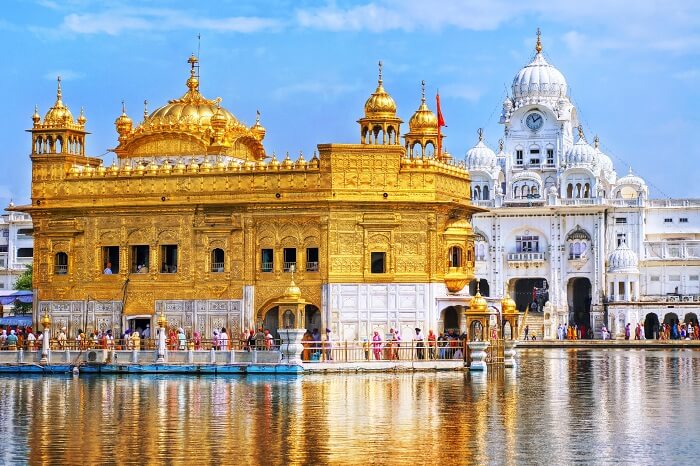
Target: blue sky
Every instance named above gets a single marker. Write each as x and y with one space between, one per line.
633 69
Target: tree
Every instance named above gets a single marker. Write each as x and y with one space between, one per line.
24 282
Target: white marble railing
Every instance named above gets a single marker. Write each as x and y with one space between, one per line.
660 250
674 202
526 257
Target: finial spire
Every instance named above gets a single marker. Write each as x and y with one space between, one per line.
380 72
145 110
596 141
257 117
500 145
538 47
58 90
481 134
123 108
580 131
422 91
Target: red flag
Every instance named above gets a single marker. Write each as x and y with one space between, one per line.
441 123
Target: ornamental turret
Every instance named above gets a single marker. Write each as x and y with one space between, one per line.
422 130
380 125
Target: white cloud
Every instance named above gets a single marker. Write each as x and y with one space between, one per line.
115 21
326 90
66 75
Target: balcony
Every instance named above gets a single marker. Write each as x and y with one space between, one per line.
290 266
581 201
537 201
312 266
266 267
675 250
60 269
484 203
456 279
526 259
217 267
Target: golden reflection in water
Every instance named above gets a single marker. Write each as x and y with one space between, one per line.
558 406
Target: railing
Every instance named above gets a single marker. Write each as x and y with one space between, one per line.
484 202
659 250
373 351
674 202
671 298
289 266
266 267
526 256
581 201
60 269
624 202
524 202
217 267
312 266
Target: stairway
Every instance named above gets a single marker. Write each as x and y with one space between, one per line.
536 321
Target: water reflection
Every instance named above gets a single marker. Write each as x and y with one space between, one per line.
559 406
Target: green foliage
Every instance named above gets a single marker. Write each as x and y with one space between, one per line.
24 282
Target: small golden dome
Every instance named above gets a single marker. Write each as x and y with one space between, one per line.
218 120
36 118
165 167
478 304
82 119
314 162
192 167
507 305
101 170
114 168
258 129
127 169
152 168
140 169
380 103
123 122
180 166
206 166
274 163
292 291
287 162
220 164
301 162
423 120
59 113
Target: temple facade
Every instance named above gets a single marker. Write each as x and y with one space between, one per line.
195 219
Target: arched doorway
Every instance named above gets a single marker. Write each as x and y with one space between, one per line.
507 330
313 318
651 326
580 292
671 318
450 319
271 321
483 287
528 291
691 318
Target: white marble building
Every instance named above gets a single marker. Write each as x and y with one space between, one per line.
562 219
16 247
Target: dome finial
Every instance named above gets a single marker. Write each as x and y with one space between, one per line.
596 142
145 110
257 117
538 46
123 107
422 90
380 73
481 134
500 145
580 131
58 90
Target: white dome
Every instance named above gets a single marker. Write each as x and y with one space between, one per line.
581 154
481 157
540 79
631 179
623 260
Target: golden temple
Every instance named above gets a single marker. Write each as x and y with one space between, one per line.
194 218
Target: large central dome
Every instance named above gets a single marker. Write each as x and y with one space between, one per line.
539 78
191 125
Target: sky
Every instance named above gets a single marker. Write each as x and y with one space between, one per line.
633 70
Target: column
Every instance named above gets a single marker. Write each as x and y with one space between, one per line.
627 291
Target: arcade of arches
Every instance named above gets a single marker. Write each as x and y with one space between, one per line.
652 324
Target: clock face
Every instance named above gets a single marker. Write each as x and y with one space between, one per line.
534 121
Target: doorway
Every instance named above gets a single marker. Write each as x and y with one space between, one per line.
651 326
450 319
271 321
313 318
139 324
580 302
529 291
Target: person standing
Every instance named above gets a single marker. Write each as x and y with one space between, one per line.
377 346
31 341
418 341
432 344
328 345
627 331
223 339
527 331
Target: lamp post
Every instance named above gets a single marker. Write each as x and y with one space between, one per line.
162 323
46 322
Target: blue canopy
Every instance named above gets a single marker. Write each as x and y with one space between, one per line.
23 296
21 321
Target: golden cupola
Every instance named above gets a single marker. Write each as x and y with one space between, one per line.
478 304
422 130
258 129
380 125
191 125
59 114
123 124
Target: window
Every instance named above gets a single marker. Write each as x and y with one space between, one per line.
455 257
378 262
519 157
25 231
5 233
668 220
3 248
60 266
217 260
577 250
694 278
2 262
527 243
674 278
550 156
620 220
110 260
312 259
2 285
25 252
534 156
655 278
683 220
485 193
139 259
266 260
481 251
621 238
290 259
168 257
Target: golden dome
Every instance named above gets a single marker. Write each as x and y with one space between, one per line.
507 305
123 122
81 118
36 118
59 113
292 292
459 226
380 103
258 129
423 120
478 304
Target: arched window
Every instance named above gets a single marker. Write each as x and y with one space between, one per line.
526 191
60 263
578 190
516 192
477 192
455 259
534 192
570 191
217 260
481 251
586 190
485 192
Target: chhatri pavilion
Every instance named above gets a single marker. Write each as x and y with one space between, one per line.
195 219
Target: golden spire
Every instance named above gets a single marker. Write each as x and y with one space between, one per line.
58 90
36 118
145 110
538 46
422 90
81 118
379 81
193 80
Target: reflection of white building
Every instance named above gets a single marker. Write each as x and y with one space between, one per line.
16 247
560 214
